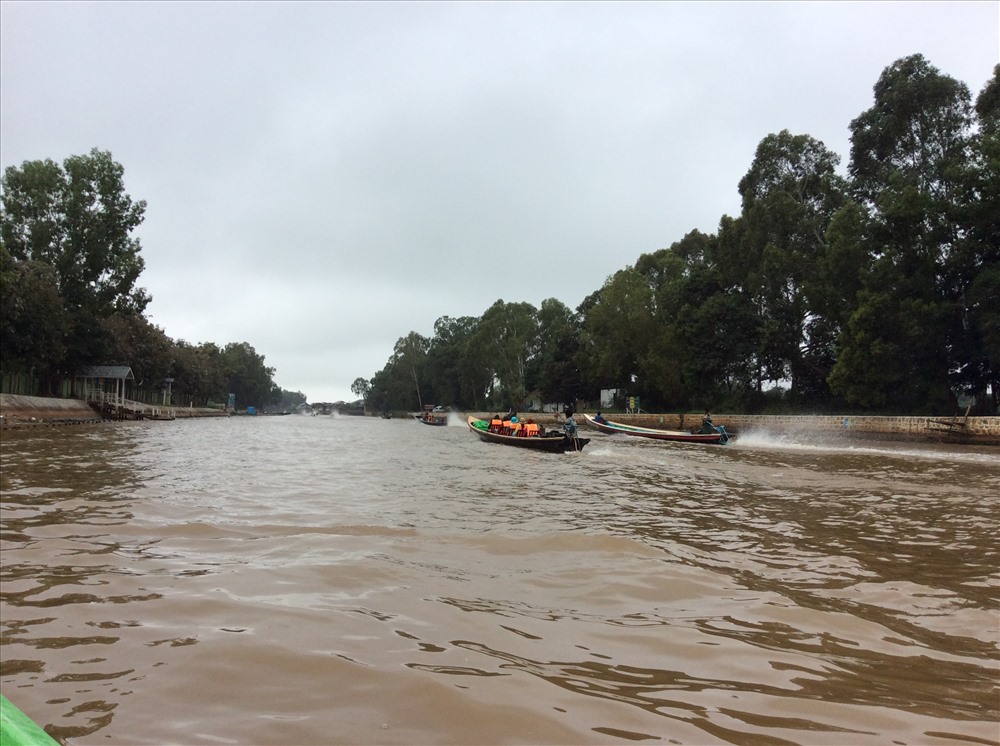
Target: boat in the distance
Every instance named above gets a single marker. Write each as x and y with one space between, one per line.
555 441
719 436
429 419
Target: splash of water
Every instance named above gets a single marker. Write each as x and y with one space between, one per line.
801 440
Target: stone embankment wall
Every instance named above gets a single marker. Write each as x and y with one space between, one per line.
979 430
18 411
27 411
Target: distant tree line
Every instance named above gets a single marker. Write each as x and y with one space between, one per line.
68 296
876 292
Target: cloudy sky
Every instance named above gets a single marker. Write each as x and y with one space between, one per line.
323 178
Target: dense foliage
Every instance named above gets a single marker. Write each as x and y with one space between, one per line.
68 295
876 291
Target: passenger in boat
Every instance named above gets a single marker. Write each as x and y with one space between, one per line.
513 423
569 427
706 423
496 425
530 428
599 418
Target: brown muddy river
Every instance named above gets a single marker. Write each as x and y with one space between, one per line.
326 580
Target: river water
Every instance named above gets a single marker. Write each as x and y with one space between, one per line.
343 580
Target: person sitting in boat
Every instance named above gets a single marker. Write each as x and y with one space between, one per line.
599 418
706 423
496 425
530 428
569 427
512 423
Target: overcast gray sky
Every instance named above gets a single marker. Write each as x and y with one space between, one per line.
323 178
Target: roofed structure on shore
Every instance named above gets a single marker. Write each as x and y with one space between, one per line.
104 384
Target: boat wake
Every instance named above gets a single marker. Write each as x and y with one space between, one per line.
801 441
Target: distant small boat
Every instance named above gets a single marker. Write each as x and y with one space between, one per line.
552 442
720 436
428 420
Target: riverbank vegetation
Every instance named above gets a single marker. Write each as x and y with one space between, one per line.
872 290
69 299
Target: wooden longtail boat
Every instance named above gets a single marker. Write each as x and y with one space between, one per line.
553 442
720 436
438 421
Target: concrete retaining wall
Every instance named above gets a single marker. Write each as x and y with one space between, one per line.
16 410
978 430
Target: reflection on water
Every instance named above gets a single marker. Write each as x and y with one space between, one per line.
348 580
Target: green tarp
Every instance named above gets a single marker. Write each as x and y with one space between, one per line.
17 729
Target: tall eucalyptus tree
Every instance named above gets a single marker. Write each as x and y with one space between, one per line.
508 333
555 371
619 327
981 255
908 157
409 358
77 219
790 195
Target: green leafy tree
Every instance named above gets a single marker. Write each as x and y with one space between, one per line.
248 378
713 318
790 195
455 371
78 220
552 372
721 323
841 273
134 341
908 157
33 319
661 361
975 263
384 395
509 332
360 388
409 356
617 327
877 292
199 374
289 400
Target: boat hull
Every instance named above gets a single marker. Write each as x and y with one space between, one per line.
554 443
679 436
